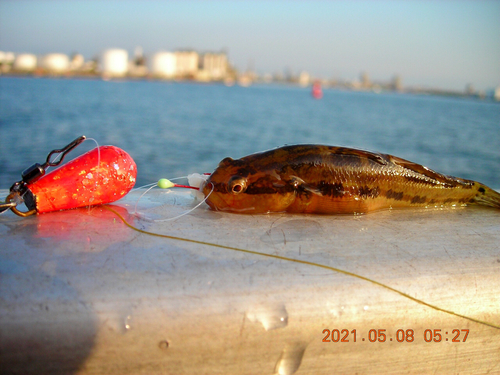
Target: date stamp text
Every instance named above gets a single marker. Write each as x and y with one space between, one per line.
399 335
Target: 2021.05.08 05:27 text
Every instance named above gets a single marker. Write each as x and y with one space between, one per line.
401 335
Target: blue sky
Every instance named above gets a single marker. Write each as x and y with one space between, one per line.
443 44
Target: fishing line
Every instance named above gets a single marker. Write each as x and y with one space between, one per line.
143 186
98 150
305 262
189 211
151 186
167 184
156 183
138 199
97 166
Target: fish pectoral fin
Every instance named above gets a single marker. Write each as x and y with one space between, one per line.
300 185
312 190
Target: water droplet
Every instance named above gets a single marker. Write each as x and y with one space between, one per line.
271 316
290 358
89 176
128 322
163 344
116 166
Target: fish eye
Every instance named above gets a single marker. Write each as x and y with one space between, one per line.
237 185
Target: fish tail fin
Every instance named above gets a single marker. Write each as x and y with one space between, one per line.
487 197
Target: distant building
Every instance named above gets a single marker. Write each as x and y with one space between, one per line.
397 83
469 89
189 65
77 62
139 58
114 63
7 57
137 67
304 79
6 61
496 94
25 62
214 66
164 65
365 80
186 64
57 63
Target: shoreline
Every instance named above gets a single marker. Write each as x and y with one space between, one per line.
377 89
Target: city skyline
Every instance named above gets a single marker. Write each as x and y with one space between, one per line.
431 44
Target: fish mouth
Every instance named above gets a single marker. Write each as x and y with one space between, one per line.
212 198
217 202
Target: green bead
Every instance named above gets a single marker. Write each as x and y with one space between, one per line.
164 183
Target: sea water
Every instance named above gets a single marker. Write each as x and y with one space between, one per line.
172 129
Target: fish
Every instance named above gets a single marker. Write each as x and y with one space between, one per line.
320 179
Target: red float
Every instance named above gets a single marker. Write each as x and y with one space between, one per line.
102 175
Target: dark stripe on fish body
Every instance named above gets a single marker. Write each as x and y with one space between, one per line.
418 199
251 190
246 171
365 192
264 186
394 195
330 189
219 187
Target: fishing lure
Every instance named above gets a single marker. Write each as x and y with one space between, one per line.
334 180
102 175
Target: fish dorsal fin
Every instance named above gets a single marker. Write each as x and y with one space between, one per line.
423 170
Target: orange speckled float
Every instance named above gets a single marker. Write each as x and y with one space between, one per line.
102 175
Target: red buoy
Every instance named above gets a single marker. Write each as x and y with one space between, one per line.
317 92
102 175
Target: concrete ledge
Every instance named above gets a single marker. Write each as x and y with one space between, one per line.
82 293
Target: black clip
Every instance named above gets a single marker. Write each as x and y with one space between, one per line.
36 171
32 174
